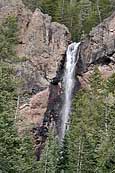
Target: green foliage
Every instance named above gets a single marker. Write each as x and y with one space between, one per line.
16 154
89 145
78 15
105 8
13 150
50 155
8 39
63 161
110 86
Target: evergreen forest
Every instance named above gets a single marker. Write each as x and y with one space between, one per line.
89 144
78 15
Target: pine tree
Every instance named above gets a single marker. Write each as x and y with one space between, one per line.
106 149
8 39
89 145
49 157
16 154
78 15
63 161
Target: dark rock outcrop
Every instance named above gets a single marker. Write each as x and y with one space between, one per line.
98 49
99 46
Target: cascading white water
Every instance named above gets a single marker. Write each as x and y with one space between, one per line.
69 81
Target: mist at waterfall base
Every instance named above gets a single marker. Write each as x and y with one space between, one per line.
69 83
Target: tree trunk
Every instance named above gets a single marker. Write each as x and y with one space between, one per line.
98 10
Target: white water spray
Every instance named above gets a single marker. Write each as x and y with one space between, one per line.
69 82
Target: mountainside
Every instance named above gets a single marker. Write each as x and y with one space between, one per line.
41 47
43 43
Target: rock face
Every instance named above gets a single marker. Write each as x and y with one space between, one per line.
42 45
4 3
99 47
33 112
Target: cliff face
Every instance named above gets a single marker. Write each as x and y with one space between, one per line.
42 44
98 48
9 3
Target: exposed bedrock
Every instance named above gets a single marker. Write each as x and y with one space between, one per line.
99 46
42 44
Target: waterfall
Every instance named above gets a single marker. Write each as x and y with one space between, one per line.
69 81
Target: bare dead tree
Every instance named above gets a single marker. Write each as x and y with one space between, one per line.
98 10
62 9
